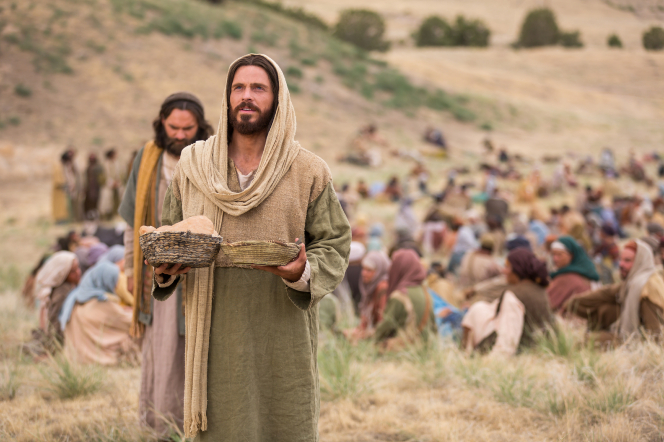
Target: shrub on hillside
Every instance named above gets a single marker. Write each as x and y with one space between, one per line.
614 41
539 29
470 32
571 39
363 28
653 39
434 31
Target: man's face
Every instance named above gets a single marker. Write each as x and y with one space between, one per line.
626 262
181 128
251 100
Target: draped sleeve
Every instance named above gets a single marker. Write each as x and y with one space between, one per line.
327 239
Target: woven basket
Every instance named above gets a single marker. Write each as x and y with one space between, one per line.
262 253
188 249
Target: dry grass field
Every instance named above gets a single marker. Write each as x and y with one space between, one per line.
92 73
560 391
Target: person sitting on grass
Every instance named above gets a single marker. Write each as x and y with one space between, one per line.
95 324
511 322
633 306
59 275
575 272
408 315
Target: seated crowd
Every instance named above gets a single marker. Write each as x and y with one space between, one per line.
459 273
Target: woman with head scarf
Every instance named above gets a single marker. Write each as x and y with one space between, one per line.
58 276
96 327
408 314
373 287
510 322
576 272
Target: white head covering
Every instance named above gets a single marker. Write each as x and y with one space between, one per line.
53 273
357 251
629 296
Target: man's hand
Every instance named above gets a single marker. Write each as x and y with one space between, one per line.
130 284
292 271
166 269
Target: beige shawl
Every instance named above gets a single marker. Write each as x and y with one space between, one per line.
204 182
53 273
629 296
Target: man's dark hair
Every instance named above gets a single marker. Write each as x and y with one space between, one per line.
182 101
268 67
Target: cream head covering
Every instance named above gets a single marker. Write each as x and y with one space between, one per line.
204 183
629 296
53 273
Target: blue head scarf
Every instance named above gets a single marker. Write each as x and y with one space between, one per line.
114 254
97 281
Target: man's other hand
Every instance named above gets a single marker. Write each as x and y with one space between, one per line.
291 272
168 270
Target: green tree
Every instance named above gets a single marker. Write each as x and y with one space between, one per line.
653 39
470 32
363 28
571 39
614 41
539 29
434 31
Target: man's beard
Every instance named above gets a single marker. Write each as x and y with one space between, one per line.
174 147
246 127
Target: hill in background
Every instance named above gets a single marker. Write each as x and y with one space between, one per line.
92 74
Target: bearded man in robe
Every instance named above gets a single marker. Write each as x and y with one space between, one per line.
252 333
634 306
181 121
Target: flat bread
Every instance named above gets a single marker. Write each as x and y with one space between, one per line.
196 224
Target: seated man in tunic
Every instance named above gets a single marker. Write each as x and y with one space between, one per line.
478 265
575 272
635 305
510 323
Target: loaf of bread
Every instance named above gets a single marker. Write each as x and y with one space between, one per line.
196 224
146 229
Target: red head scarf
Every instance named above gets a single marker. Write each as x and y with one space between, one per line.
406 271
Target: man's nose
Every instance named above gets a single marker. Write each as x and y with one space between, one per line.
180 135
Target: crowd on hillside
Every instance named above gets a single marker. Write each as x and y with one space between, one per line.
490 268
494 269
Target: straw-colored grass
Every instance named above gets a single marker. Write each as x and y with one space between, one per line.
562 390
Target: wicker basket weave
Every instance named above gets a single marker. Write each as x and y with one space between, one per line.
188 249
262 253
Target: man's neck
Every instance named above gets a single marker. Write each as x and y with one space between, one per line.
246 150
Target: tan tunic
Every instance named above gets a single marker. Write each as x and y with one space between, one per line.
262 380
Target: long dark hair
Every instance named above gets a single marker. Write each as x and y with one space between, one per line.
204 128
251 60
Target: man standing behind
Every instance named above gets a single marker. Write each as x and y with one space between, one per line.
252 334
181 121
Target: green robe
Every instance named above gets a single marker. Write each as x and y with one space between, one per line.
395 315
262 366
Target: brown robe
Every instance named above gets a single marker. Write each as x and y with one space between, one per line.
601 309
564 287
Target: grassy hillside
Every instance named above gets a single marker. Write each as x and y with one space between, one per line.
92 73
547 99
